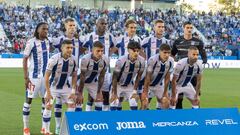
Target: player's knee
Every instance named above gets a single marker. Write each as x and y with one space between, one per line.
165 103
71 105
48 106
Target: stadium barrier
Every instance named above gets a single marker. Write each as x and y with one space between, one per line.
215 64
171 122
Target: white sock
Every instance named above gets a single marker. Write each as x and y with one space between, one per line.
105 108
46 118
89 107
71 109
43 108
26 113
195 106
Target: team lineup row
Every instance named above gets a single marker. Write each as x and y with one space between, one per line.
56 78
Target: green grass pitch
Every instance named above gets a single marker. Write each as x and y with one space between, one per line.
220 89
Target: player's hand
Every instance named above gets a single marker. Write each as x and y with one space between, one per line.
72 96
196 99
27 81
99 97
135 95
144 101
113 98
173 101
79 99
48 98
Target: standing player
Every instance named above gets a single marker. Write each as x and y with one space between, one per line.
69 34
184 71
152 44
159 67
122 42
60 67
93 68
109 43
37 52
180 48
129 36
127 68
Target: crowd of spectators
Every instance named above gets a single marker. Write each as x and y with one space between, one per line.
221 31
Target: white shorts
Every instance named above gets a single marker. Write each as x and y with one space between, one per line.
107 82
36 88
188 91
156 91
125 91
92 89
61 94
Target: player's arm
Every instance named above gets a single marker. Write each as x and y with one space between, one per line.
198 85
116 74
47 85
25 70
166 83
74 79
84 63
113 48
202 52
174 91
174 50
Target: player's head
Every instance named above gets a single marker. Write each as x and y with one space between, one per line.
159 27
70 26
193 54
133 49
67 48
101 24
131 26
187 28
41 30
165 51
98 49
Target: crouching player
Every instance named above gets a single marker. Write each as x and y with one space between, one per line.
127 68
60 67
93 68
159 68
184 71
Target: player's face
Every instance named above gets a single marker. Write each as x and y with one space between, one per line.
188 29
67 50
164 54
43 31
133 53
98 52
159 28
193 55
102 25
70 27
131 29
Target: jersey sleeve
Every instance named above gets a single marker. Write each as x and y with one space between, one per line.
179 67
28 49
144 42
150 65
118 65
202 51
51 63
171 64
84 64
174 48
113 42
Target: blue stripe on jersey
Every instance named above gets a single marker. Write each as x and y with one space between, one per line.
59 45
189 76
45 57
148 49
130 74
111 41
63 76
53 73
159 42
122 47
93 74
198 70
159 76
73 47
180 75
121 72
35 61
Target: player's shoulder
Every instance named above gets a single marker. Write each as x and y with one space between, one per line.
154 57
182 62
122 59
55 57
32 40
141 59
170 59
199 63
86 57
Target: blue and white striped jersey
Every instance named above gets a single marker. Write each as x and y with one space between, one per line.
77 44
38 53
128 70
123 41
93 68
151 45
61 70
108 40
185 71
159 69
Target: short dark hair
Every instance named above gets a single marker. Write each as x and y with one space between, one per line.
36 34
133 45
98 44
68 20
192 48
165 47
129 21
66 42
158 21
187 23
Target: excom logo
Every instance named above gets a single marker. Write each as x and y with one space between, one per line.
86 126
